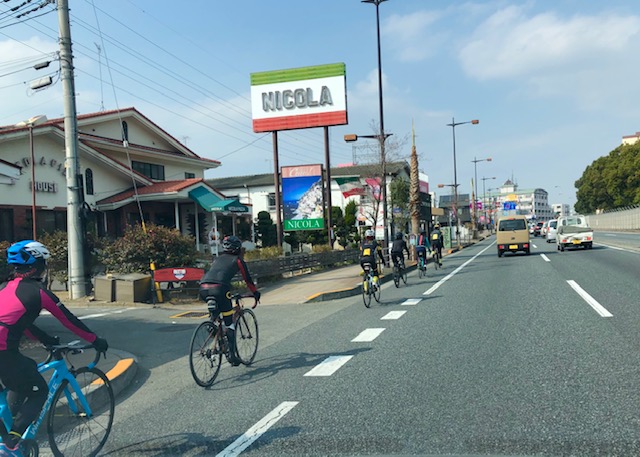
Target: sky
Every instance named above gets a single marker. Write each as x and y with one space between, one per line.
553 83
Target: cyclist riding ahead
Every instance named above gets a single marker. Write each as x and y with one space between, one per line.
397 250
369 254
436 242
216 284
22 298
422 245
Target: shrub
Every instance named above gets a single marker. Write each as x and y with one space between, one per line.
136 249
272 252
58 263
4 268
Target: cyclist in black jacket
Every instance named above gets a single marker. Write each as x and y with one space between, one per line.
216 283
399 245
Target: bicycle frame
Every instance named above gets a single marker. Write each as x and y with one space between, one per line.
61 372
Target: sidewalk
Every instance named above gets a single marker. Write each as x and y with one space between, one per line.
332 284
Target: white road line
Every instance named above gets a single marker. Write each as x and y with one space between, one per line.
433 288
392 315
255 432
91 316
589 299
411 301
534 246
329 365
368 335
546 259
609 234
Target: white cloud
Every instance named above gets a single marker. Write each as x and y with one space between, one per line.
510 44
410 36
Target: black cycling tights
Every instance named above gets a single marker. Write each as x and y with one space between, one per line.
27 389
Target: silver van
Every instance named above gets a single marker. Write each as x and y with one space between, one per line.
552 228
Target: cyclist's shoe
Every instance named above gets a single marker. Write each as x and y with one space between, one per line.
6 451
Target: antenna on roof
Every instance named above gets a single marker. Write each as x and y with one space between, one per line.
100 68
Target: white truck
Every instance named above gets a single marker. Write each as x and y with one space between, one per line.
573 231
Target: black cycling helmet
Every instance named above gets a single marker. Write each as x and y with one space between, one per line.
399 236
232 244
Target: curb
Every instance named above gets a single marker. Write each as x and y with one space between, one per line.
123 371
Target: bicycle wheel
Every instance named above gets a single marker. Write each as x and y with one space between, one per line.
403 275
72 430
205 354
396 276
436 260
366 292
421 271
377 291
246 337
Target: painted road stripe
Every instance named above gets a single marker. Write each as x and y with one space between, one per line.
368 335
433 288
534 246
589 299
392 315
546 259
255 432
91 316
329 365
411 301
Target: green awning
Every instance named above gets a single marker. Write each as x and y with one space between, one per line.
204 197
229 206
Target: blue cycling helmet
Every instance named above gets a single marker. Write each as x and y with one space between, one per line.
27 252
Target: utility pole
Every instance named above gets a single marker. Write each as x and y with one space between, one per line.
75 247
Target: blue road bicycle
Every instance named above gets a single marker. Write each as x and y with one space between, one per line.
78 411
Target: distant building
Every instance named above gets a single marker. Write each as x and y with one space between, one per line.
509 199
631 139
560 209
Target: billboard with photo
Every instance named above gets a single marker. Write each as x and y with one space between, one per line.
303 197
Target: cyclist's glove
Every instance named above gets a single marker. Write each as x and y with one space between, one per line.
100 344
256 296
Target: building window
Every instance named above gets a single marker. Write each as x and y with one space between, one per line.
125 131
272 200
6 224
188 175
150 170
88 181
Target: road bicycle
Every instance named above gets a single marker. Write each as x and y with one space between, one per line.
78 411
369 287
422 265
436 259
399 272
210 342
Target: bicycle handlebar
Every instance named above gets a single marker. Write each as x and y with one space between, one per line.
58 351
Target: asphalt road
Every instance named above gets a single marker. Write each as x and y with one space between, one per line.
519 355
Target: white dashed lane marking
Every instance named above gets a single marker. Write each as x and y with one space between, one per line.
411 301
368 335
247 438
546 259
392 315
329 365
589 299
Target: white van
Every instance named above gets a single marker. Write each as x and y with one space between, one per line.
552 228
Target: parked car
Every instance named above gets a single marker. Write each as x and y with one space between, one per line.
552 228
543 230
536 228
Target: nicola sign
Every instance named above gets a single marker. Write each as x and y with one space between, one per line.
299 98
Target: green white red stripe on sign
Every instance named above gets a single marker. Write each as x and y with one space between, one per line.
299 98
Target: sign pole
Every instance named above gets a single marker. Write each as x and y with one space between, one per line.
327 165
276 184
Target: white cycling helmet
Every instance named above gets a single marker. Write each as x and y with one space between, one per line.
369 234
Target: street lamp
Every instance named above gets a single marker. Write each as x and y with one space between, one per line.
455 173
475 184
484 198
382 137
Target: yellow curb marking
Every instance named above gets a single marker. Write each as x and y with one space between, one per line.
122 366
190 314
311 297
